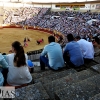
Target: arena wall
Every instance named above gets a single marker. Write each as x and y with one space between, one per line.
87 6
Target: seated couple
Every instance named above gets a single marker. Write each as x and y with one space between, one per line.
16 64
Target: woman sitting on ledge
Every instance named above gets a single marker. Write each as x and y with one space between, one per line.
18 73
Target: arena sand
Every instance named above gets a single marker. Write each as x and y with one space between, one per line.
9 35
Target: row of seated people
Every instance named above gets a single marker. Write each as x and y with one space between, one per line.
15 72
76 52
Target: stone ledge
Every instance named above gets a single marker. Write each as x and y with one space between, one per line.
32 92
67 81
96 68
97 59
82 90
54 76
96 97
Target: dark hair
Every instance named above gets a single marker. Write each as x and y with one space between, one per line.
70 37
51 39
3 53
78 37
19 58
96 39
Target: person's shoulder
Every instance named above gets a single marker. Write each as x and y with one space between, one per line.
46 46
71 43
1 57
67 44
10 55
0 54
56 43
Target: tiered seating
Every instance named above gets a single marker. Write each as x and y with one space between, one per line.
67 84
96 97
81 90
97 59
66 81
32 92
49 78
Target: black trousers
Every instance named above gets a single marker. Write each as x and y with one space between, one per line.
87 60
67 60
5 72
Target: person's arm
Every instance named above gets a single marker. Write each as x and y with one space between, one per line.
44 52
3 62
65 50
65 54
26 56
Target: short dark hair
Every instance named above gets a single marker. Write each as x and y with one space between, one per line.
70 37
78 37
3 53
51 39
96 39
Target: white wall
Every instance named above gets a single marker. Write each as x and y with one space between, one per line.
54 7
36 5
87 6
93 6
47 6
5 4
27 5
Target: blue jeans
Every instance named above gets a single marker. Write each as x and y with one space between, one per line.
44 62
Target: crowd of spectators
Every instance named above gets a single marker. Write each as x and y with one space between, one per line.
81 34
23 15
76 23
84 24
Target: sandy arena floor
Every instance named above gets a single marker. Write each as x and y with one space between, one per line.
9 35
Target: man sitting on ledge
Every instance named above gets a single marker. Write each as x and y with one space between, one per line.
86 49
53 51
72 53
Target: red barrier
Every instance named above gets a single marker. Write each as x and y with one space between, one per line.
31 27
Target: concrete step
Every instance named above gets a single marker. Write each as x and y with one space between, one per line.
38 69
96 68
97 59
89 64
80 91
38 73
32 92
54 76
96 97
66 81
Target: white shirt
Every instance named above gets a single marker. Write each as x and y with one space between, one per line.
17 75
87 48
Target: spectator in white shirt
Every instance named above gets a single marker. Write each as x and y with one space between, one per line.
86 48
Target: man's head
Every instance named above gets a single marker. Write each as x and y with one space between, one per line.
70 37
96 41
77 38
51 39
